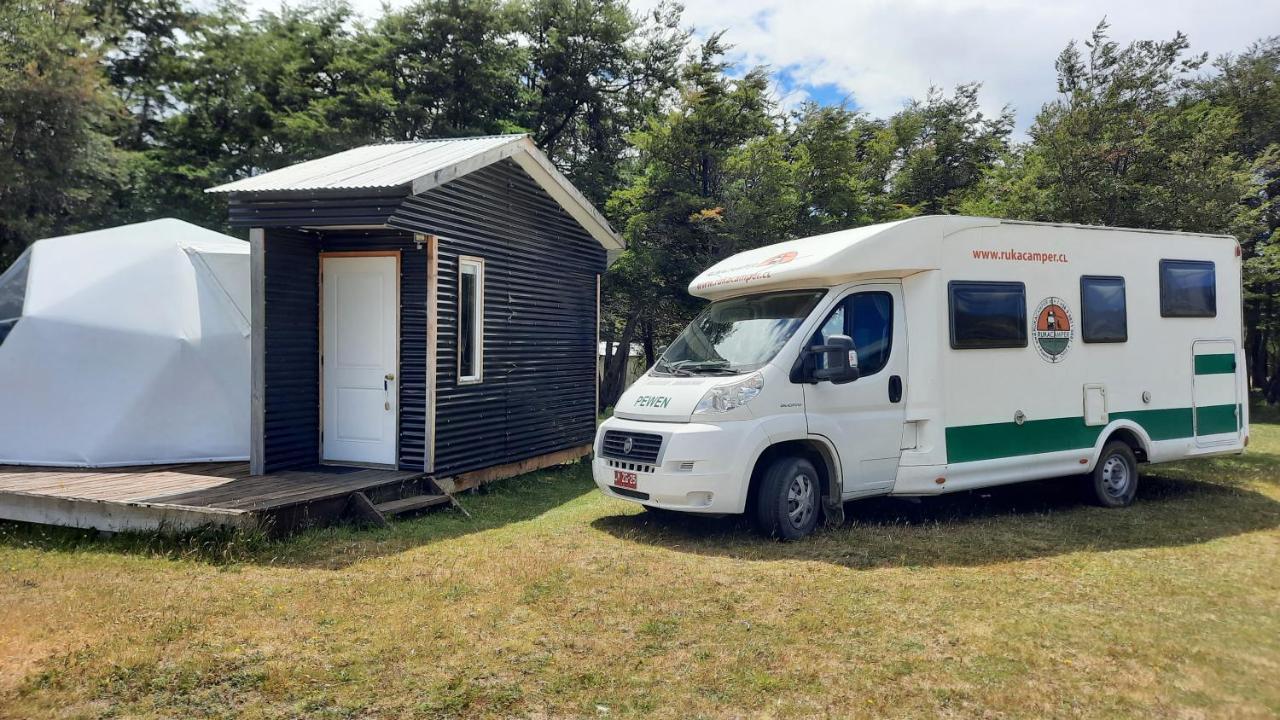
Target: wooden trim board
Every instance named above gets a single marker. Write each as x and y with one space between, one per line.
257 350
433 306
476 478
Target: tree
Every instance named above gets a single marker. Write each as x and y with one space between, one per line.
58 118
454 67
675 203
941 146
594 74
255 95
1124 145
1249 84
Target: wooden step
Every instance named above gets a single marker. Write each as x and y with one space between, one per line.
410 504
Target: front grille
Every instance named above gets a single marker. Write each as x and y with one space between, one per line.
644 446
633 467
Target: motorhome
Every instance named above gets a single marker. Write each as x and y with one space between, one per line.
935 355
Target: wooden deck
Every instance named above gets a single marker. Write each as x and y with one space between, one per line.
185 497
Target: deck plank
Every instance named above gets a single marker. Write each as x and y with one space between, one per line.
219 491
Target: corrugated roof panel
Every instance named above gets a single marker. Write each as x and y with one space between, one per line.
371 166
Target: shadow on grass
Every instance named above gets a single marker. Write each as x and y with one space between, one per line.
1009 523
503 503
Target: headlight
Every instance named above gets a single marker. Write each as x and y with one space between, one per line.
723 398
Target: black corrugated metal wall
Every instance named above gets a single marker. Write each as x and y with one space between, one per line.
291 373
538 393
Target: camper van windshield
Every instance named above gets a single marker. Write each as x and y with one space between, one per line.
737 335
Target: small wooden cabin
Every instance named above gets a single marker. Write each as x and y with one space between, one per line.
429 306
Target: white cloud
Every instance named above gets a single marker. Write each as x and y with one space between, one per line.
879 53
882 52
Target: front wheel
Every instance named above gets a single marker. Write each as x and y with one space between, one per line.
1114 480
788 500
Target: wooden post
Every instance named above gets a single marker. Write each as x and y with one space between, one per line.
257 350
433 276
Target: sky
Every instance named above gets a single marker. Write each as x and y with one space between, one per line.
875 55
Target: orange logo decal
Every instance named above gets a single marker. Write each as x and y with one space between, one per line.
780 258
1052 329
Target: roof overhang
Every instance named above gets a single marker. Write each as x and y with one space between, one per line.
330 176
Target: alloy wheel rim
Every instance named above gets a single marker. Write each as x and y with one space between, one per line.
800 500
1115 476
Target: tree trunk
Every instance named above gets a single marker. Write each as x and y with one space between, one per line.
1255 346
616 362
650 354
1273 389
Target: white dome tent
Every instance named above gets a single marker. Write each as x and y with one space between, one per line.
126 346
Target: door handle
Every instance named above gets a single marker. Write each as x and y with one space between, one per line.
895 388
386 390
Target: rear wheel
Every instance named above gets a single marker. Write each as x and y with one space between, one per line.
1114 480
788 500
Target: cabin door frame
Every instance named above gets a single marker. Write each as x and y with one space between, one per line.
365 374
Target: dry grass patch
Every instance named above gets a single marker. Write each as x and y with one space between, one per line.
553 601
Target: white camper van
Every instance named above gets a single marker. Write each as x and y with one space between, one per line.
935 355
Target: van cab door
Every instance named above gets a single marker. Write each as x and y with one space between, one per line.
864 419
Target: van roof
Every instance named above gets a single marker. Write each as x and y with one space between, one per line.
885 250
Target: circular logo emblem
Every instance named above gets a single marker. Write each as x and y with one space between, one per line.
1052 329
627 446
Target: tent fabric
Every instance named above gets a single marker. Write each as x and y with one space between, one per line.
132 348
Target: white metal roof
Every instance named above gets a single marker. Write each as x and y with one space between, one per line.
419 166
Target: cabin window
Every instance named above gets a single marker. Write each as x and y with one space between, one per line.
1188 288
470 319
1103 314
987 314
867 317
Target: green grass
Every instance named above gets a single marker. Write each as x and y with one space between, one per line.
553 601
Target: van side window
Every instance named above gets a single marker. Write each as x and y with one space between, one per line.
1103 313
987 314
1188 288
867 317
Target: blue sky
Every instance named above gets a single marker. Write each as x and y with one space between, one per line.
876 54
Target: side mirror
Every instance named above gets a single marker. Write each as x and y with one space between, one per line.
841 360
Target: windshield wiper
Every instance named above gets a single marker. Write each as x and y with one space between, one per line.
705 366
675 368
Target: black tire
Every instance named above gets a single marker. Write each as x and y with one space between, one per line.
789 499
1114 480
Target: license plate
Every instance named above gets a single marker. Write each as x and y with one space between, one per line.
624 479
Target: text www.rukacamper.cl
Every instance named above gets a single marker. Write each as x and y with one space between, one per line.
1020 256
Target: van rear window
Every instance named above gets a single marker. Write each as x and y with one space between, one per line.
987 314
1188 288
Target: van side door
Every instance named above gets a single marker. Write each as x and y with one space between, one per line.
864 419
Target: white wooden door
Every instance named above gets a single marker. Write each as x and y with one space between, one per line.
361 313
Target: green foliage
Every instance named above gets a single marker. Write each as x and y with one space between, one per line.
942 146
123 110
1123 145
58 162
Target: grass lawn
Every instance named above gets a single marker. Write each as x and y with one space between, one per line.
553 601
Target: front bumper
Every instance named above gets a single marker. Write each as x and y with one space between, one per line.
702 468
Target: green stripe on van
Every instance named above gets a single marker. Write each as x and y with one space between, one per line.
1215 419
1219 364
967 443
